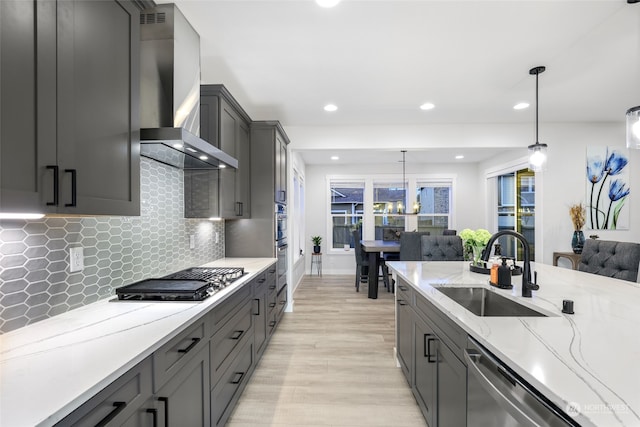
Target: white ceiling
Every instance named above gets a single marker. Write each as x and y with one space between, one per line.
379 60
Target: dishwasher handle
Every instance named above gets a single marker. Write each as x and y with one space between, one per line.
472 357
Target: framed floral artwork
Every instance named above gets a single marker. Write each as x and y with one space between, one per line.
608 190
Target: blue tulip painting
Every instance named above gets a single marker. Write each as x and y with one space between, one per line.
607 189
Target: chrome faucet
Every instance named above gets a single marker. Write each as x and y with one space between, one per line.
527 285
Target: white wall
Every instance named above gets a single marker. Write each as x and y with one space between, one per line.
564 184
561 185
337 261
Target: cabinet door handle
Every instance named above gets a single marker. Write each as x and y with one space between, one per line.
165 401
236 335
56 193
402 302
272 323
238 378
427 348
194 342
271 305
154 414
272 287
118 407
73 173
257 312
403 288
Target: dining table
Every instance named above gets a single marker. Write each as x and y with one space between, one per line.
374 249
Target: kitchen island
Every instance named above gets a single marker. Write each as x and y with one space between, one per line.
50 368
586 363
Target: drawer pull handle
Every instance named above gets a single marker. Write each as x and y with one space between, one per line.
273 304
262 280
272 287
154 413
119 407
238 378
257 301
194 342
236 335
403 288
402 302
272 323
56 192
165 400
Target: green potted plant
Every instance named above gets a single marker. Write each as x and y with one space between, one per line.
317 240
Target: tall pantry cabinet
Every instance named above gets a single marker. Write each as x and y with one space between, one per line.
69 113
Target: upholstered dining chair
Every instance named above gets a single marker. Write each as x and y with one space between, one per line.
619 260
442 248
411 245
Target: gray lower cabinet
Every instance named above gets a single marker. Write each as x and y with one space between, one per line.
430 348
404 335
118 403
425 376
197 377
223 193
69 111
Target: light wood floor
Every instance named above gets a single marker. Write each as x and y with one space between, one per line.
330 363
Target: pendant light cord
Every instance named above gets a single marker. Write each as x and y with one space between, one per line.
537 74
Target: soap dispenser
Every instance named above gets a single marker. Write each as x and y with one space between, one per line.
504 275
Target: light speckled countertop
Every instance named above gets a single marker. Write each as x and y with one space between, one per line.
590 358
49 368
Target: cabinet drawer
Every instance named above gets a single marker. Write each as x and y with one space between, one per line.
221 314
271 273
404 292
450 333
226 392
171 357
117 402
226 343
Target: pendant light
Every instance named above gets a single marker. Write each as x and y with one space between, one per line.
537 151
633 127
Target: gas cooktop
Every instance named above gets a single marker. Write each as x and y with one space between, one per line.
191 284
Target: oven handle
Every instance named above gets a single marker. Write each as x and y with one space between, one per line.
282 248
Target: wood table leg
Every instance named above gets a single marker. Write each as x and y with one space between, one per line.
374 266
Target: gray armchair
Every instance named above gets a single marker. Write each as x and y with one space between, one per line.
442 248
619 260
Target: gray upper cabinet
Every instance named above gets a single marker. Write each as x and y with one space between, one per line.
70 112
271 136
224 124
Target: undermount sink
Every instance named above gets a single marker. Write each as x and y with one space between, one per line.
483 302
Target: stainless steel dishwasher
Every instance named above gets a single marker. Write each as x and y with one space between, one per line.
497 396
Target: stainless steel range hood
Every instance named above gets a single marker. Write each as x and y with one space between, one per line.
170 93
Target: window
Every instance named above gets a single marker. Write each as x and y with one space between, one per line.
347 204
388 201
433 203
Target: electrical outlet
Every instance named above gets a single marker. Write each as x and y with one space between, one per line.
192 241
76 259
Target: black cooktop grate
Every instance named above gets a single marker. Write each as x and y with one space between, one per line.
202 273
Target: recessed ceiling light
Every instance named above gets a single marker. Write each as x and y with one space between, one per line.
178 146
459 156
330 107
335 158
327 3
203 157
521 106
221 166
191 149
427 106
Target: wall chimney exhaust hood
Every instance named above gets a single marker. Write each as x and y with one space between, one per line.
170 93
